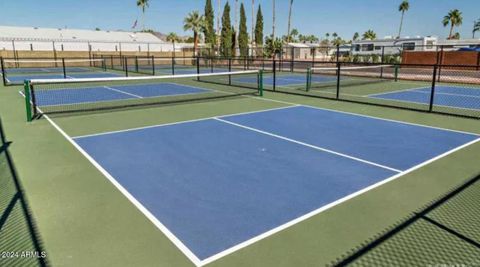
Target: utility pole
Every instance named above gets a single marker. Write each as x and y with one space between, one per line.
273 24
219 3
253 22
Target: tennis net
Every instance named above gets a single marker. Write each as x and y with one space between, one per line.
325 78
52 96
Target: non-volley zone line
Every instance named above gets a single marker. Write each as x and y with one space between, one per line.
236 174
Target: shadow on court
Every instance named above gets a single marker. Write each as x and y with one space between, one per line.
20 243
446 233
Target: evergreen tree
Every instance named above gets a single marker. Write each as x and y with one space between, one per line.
234 42
226 34
243 34
259 27
209 31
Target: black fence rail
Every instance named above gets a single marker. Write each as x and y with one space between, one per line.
418 51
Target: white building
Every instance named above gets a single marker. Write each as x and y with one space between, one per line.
390 46
48 39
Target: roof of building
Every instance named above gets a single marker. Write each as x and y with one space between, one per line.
51 34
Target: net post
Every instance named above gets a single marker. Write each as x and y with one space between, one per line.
432 92
28 107
338 80
153 65
64 68
260 82
3 71
125 66
173 65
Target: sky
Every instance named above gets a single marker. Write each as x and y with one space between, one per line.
317 17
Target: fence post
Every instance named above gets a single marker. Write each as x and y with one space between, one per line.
153 65
432 92
338 80
260 82
64 68
274 74
198 68
440 63
478 60
125 65
229 70
383 55
309 79
173 65
338 53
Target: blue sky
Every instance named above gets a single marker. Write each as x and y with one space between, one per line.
310 16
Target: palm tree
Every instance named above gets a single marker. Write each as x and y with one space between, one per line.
356 36
476 27
293 35
369 35
172 37
327 35
404 6
289 35
143 4
454 18
194 22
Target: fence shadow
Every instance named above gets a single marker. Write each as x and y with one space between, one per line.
443 233
20 243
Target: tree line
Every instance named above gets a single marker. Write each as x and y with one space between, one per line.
227 41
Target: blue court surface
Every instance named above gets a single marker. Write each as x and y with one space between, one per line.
70 96
218 182
445 96
21 78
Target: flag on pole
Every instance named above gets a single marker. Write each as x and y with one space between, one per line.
135 24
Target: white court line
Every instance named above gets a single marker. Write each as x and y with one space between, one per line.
326 207
122 92
308 145
178 122
179 244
